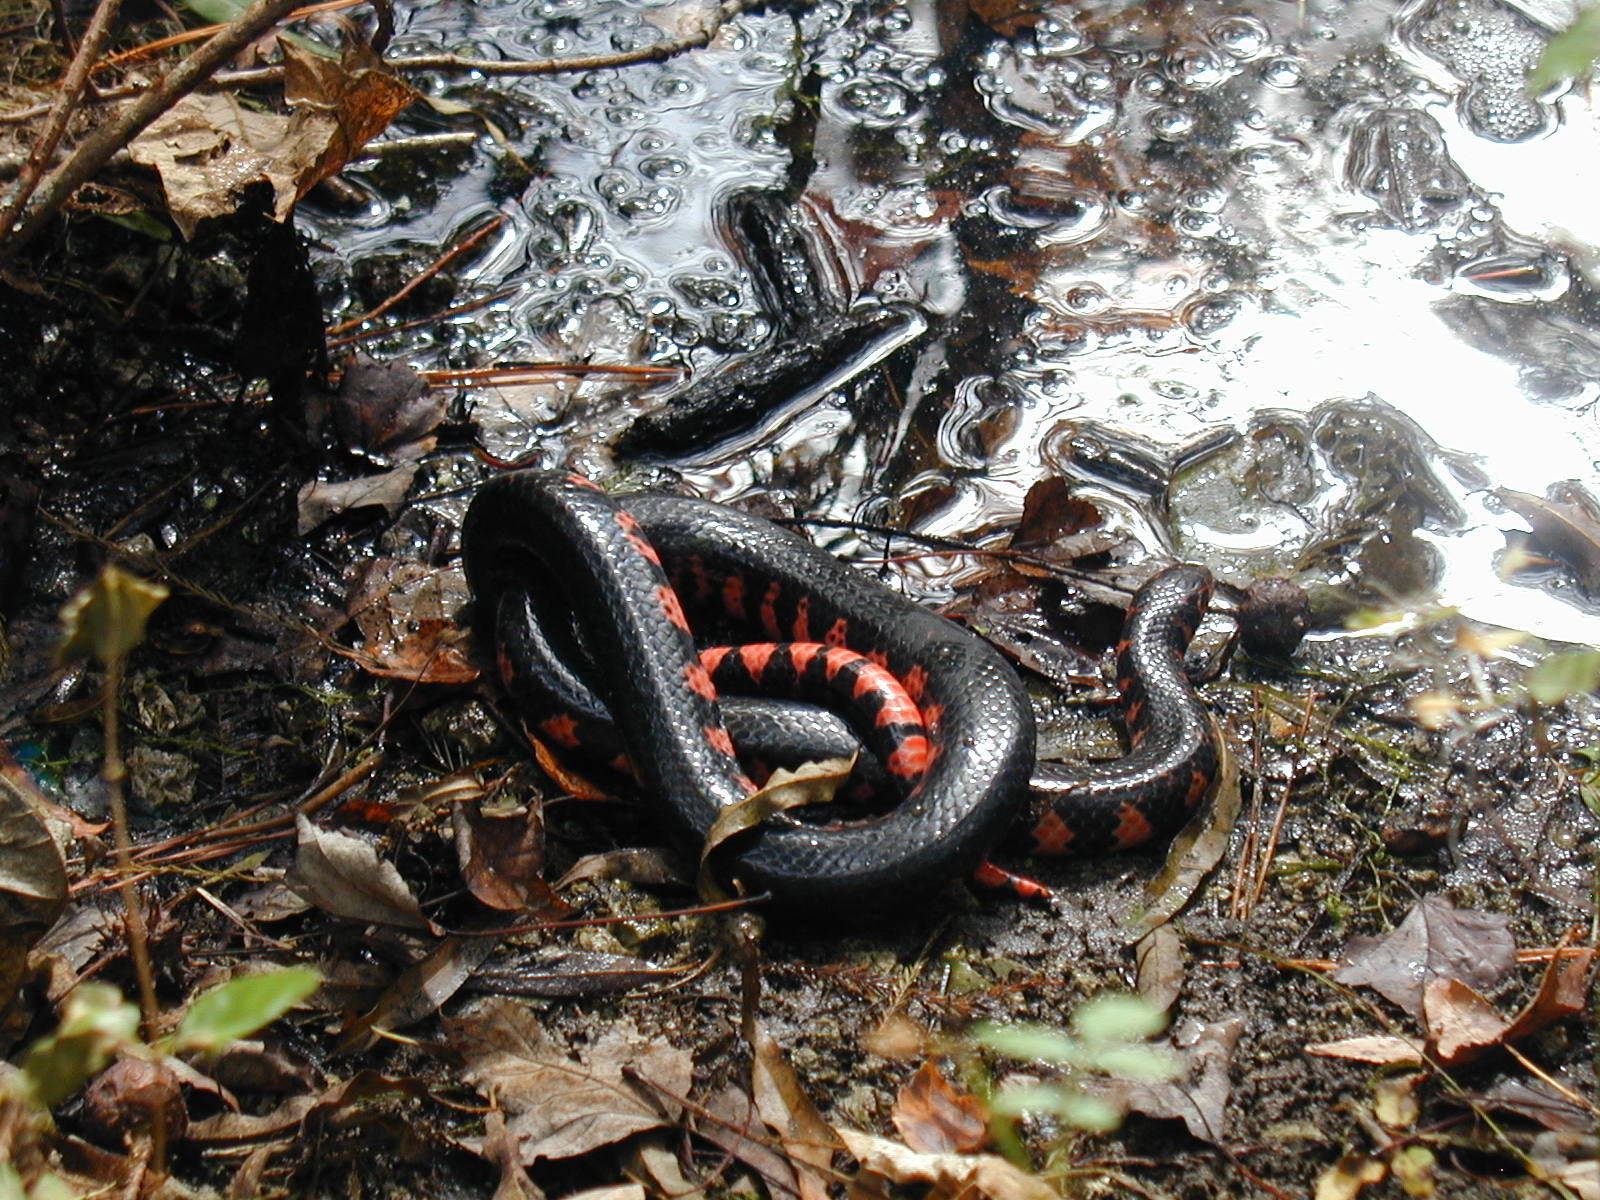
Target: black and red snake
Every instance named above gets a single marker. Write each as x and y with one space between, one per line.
589 603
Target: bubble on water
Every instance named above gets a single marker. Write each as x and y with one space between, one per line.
1171 124
663 166
1283 72
1197 67
1150 84
873 101
1061 216
1054 37
1087 299
1240 37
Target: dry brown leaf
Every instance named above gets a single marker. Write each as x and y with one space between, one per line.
1435 941
403 610
501 857
343 875
935 1118
783 1104
208 148
1052 520
285 1121
967 1176
385 410
1347 1177
1197 849
1563 990
562 1106
1459 1021
500 1150
1199 1097
320 500
419 991
33 877
1381 1049
735 1126
1159 971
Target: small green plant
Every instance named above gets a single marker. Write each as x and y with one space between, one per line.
1106 1038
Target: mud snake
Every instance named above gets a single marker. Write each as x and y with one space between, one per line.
589 603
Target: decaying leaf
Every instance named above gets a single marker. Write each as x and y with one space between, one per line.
947 1176
1058 524
1197 849
208 148
286 1121
501 857
385 410
1435 941
343 875
1158 957
1566 525
559 1105
33 876
1347 1177
737 1128
419 991
781 1099
106 619
811 783
1380 1049
320 500
403 609
1199 1097
936 1118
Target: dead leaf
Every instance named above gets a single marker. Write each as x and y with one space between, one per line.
1198 848
403 609
1569 529
781 1099
1535 1100
1347 1177
347 103
1158 956
573 973
633 864
419 992
935 1118
1459 1021
737 1128
343 875
897 1036
133 1096
500 1149
502 857
33 877
320 500
1199 1097
385 410
1563 990
1435 941
562 1106
208 148
963 1176
290 1116
1394 1100
1058 524
810 783
1382 1049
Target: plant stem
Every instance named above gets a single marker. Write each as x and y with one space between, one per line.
113 771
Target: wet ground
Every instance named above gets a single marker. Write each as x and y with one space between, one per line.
1287 290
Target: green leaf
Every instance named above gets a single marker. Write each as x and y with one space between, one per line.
241 1006
107 618
1563 675
1072 1106
1568 55
96 1023
1090 1112
1144 1064
1029 1042
1117 1017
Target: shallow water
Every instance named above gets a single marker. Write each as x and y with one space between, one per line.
1283 288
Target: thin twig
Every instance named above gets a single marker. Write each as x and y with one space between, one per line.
150 49
96 150
421 277
66 101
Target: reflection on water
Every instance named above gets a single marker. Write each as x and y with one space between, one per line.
1336 246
